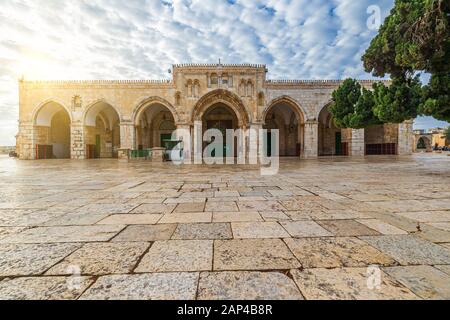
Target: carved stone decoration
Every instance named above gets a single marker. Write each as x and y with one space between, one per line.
177 98
76 102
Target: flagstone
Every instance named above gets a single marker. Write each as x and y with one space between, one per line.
336 252
157 208
348 284
305 229
177 255
44 288
425 281
254 230
260 206
202 231
188 217
146 233
101 258
221 206
190 207
381 227
236 216
347 228
65 234
410 250
243 285
131 219
32 259
153 286
253 254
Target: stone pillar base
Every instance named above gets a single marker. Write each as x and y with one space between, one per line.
158 154
123 154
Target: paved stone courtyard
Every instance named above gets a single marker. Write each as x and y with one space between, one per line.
343 228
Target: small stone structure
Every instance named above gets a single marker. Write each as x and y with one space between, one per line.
101 119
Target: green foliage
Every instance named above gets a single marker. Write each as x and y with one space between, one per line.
352 106
415 37
447 133
399 101
436 96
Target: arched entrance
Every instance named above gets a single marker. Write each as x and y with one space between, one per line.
221 117
101 131
424 144
221 110
286 116
52 132
154 124
332 140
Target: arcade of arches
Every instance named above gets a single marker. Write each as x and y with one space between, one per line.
118 118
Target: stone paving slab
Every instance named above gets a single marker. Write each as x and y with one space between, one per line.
146 233
128 219
347 228
203 231
244 285
410 250
101 258
347 284
32 259
154 286
425 281
258 230
336 252
305 229
65 234
337 218
253 254
43 288
177 255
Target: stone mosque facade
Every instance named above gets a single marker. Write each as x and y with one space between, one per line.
113 118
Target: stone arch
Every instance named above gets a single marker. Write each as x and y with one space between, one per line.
148 102
52 122
44 112
93 110
289 101
221 96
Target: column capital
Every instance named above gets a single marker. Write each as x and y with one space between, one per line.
311 121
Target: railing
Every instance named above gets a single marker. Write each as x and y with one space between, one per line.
139 154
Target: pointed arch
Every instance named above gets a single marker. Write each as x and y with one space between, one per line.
148 102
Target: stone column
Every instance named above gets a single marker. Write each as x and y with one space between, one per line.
77 145
253 143
357 145
405 137
311 148
127 132
198 142
25 141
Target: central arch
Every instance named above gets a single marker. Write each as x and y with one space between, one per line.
224 97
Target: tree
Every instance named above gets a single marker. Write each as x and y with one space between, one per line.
447 133
352 106
414 38
399 101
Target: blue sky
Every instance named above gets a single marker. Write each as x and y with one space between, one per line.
140 39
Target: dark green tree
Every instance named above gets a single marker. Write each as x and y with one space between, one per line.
353 105
415 37
397 102
447 133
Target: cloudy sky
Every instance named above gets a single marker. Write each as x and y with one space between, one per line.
140 39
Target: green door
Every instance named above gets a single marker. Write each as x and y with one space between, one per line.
97 146
338 143
165 136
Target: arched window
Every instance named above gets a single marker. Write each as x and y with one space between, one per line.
242 88
189 88
261 99
214 79
177 98
196 89
249 88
